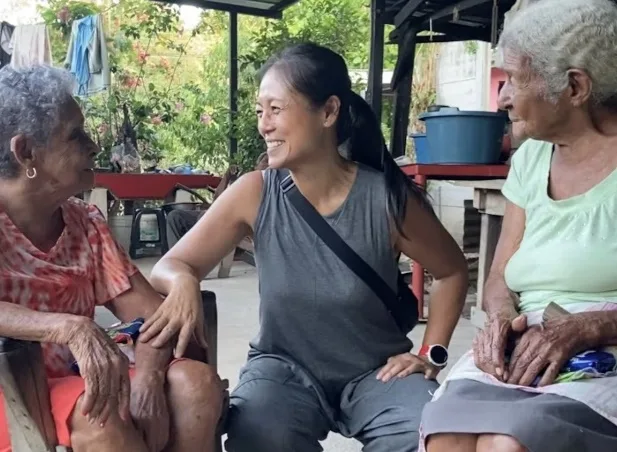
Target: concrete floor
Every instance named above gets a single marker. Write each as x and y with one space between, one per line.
238 323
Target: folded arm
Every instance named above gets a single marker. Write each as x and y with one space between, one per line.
21 323
102 365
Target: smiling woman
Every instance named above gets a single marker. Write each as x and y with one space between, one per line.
329 354
513 392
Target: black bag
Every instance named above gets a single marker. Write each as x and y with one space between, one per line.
403 306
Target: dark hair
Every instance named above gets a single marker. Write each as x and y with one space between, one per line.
318 73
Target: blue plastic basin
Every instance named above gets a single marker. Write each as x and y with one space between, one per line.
464 137
421 146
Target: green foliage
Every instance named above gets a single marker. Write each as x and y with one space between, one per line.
342 25
471 47
175 81
59 16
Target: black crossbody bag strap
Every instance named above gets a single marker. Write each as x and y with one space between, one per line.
343 251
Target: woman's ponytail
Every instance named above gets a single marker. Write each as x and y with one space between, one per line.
367 145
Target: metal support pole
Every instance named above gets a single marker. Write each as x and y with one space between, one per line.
375 72
402 99
233 80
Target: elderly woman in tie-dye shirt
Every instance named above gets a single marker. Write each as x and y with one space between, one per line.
58 261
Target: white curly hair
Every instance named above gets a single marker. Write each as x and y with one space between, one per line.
558 35
31 103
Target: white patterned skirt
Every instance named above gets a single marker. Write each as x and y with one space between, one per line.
575 416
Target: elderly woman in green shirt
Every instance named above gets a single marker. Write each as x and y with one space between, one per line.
558 244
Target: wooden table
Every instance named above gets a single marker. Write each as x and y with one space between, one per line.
471 174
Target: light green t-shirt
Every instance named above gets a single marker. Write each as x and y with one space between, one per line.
569 249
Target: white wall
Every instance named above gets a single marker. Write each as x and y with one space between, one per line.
463 78
449 204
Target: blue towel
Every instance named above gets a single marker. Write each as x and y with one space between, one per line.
80 64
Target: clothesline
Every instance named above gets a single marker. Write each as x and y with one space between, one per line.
86 58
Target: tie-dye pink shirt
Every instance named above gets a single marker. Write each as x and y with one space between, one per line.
85 268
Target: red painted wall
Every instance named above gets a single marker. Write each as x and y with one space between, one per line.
497 77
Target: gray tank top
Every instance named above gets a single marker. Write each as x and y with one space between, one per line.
314 310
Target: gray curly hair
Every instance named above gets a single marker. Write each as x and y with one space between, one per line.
558 35
31 101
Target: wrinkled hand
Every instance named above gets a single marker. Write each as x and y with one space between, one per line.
405 364
489 345
545 349
149 410
181 312
104 368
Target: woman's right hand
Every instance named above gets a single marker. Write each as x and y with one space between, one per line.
489 345
104 368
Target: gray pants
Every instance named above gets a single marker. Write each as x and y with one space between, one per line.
179 222
278 407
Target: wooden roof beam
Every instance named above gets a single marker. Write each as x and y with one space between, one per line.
406 11
459 7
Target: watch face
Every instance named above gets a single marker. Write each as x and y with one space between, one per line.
439 355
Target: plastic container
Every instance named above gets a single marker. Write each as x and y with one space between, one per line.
120 226
464 137
421 147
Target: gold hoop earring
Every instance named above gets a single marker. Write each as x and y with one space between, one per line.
31 173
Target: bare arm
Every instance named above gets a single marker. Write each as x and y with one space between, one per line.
491 344
180 271
101 364
216 234
21 323
426 241
141 300
497 297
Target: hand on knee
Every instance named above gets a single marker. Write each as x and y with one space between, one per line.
115 435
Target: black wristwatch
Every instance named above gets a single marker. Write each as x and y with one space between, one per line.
436 354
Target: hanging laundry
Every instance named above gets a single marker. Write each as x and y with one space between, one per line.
6 32
87 58
31 46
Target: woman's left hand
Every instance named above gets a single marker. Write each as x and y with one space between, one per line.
546 348
405 364
149 410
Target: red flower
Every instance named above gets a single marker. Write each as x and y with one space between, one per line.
164 63
142 56
205 119
64 15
